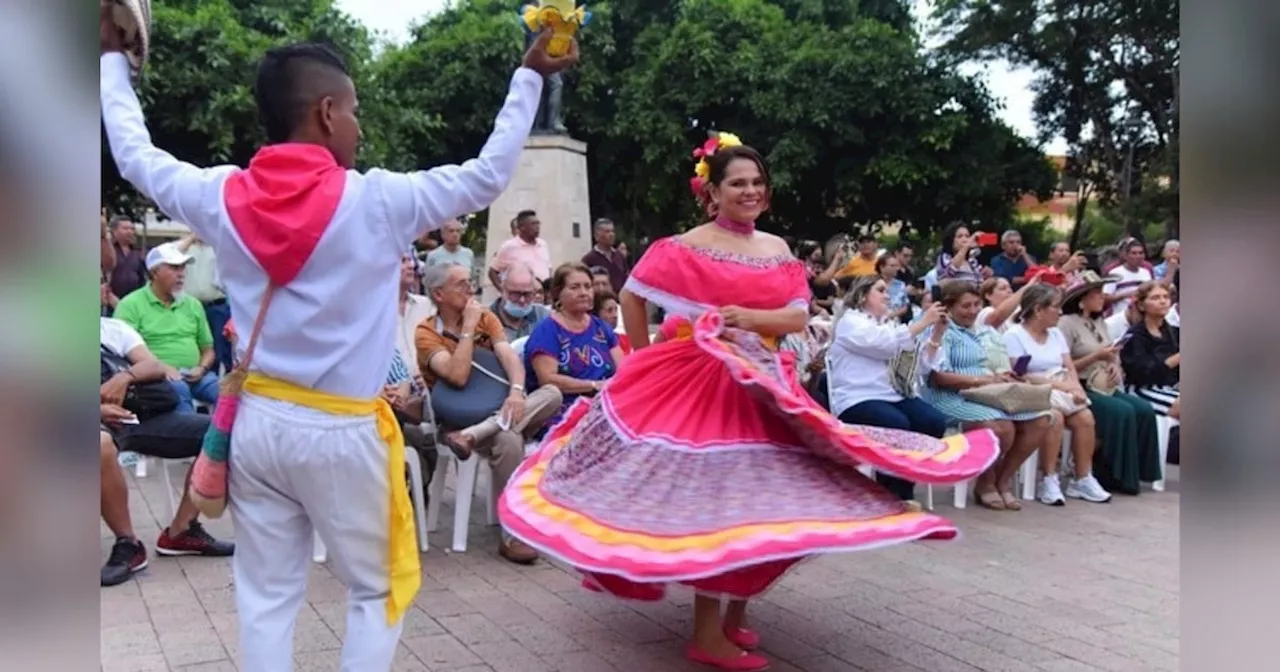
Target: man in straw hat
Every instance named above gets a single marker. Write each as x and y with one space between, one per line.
330 238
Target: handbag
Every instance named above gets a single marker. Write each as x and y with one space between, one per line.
1063 401
208 489
1011 398
478 400
904 373
145 400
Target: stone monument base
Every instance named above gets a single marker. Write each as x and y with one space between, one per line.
551 180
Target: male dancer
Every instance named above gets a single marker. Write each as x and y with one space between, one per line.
311 450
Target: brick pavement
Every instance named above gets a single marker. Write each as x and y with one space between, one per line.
1088 587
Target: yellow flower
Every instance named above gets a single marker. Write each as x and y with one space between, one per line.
729 140
703 169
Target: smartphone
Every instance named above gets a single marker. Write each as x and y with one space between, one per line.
129 421
988 239
1124 339
1020 365
935 293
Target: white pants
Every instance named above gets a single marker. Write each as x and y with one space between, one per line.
292 469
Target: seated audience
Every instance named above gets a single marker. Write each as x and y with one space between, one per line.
518 308
1151 356
1126 425
606 308
1036 335
1064 262
138 413
1128 275
864 388
1000 302
959 257
862 263
445 346
414 308
887 268
1167 269
573 351
822 283
174 327
973 356
406 399
600 281
1013 262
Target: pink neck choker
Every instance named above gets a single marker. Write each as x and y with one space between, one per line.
741 228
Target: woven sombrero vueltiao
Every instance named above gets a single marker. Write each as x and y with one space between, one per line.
133 18
1083 284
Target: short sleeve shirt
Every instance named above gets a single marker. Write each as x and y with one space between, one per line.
536 255
175 333
118 337
428 341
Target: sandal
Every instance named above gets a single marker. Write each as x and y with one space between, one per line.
990 499
1011 503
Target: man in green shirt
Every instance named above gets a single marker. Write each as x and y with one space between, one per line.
174 327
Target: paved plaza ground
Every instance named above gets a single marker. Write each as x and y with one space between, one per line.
1076 589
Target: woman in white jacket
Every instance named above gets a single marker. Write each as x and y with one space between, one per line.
875 367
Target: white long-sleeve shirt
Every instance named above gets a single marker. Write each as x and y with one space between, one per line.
858 360
333 328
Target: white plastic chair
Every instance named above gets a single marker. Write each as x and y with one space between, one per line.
468 473
416 489
1164 426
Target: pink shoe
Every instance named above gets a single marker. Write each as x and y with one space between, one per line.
744 662
743 638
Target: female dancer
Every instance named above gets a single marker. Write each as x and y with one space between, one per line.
702 461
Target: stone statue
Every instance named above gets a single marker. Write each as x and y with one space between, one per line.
550 119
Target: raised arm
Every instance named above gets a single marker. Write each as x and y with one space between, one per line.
419 202
182 191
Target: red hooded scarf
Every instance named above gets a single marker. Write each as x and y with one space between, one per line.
282 204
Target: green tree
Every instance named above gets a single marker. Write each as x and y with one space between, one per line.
1107 82
197 90
858 124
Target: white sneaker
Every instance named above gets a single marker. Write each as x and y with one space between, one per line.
1051 491
1088 489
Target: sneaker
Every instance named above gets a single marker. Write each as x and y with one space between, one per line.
1051 491
128 556
514 550
195 541
1088 489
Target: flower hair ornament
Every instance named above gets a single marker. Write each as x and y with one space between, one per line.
716 141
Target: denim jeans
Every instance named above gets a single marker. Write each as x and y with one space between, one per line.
205 389
910 414
218 314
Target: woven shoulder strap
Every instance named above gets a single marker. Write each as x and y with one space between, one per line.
243 364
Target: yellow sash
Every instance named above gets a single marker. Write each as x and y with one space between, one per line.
404 572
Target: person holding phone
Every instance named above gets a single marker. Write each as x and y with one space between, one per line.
868 339
959 257
1036 335
1128 453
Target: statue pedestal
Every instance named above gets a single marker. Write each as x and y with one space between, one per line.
551 180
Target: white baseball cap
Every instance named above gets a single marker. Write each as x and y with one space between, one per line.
167 253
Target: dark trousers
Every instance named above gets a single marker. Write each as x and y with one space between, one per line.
218 314
910 414
169 436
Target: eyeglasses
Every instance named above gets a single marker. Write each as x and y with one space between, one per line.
521 296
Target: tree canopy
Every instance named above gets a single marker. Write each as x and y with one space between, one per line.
859 123
1107 81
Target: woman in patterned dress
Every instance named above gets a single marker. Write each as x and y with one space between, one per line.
973 356
702 461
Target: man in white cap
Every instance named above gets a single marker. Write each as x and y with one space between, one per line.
310 250
174 327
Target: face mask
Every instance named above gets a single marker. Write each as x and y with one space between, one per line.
516 310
